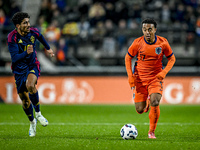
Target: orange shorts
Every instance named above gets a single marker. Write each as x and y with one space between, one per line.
143 90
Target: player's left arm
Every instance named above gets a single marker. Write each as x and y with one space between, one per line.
46 45
171 60
41 38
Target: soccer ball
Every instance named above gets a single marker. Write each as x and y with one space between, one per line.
129 131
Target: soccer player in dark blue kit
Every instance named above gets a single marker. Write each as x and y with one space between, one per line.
26 67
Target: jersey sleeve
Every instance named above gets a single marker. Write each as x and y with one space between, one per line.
41 38
133 49
167 49
44 42
171 60
14 51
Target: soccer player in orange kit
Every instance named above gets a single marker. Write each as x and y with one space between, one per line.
146 79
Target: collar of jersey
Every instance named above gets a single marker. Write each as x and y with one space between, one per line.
153 42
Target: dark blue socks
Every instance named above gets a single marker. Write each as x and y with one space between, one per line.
29 112
35 101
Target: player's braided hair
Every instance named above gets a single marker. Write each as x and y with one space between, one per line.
150 21
18 17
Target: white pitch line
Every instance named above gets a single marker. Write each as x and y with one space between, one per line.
101 124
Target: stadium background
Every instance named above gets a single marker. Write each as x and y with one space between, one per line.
90 39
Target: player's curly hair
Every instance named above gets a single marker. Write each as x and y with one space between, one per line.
18 17
150 21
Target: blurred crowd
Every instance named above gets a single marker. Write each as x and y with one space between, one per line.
109 26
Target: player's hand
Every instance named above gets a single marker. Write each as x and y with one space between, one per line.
133 88
131 80
50 51
30 49
161 75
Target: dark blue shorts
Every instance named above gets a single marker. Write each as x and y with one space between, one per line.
20 79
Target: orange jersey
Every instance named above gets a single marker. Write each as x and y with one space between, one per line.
149 57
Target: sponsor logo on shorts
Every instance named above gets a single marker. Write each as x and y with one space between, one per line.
33 71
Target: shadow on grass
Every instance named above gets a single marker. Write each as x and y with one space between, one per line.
92 137
100 137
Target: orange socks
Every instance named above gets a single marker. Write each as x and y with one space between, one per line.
153 117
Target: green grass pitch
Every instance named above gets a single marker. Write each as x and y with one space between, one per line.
94 127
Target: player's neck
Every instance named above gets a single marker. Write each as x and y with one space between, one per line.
151 40
21 33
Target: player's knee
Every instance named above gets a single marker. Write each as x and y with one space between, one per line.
155 102
139 109
30 87
155 99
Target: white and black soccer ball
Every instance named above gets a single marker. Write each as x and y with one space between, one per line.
129 131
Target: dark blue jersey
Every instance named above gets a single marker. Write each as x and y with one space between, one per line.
17 46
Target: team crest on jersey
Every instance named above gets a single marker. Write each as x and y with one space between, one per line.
158 50
32 39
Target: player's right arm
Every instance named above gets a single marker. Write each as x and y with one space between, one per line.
128 64
132 51
14 52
